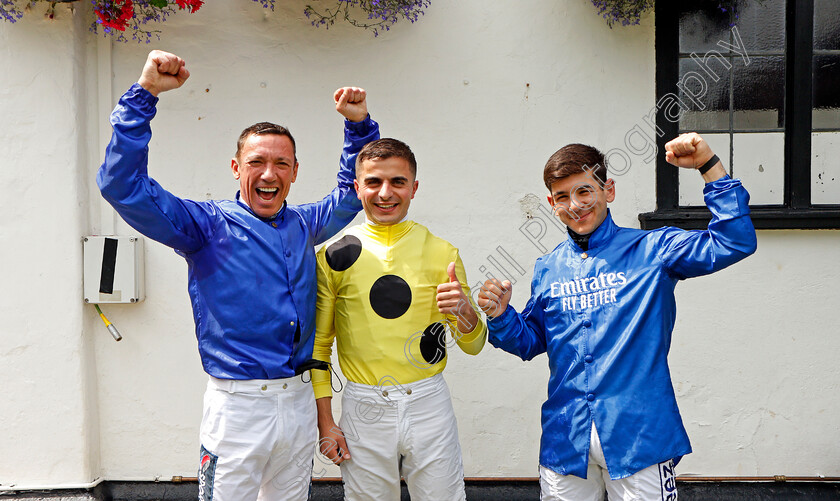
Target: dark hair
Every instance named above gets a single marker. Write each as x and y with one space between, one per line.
264 128
387 148
574 159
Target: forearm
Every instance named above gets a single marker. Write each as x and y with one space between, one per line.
468 320
716 172
321 383
124 181
729 238
472 341
321 379
356 136
332 443
731 231
326 421
511 333
127 153
338 208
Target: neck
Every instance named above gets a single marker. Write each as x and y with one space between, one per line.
581 240
371 222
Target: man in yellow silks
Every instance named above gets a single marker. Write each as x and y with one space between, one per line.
389 291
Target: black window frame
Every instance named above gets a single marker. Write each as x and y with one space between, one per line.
796 212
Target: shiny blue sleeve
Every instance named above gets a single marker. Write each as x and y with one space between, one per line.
124 181
729 238
521 334
335 211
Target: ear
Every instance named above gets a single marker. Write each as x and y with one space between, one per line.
550 201
609 190
414 190
234 166
356 186
294 172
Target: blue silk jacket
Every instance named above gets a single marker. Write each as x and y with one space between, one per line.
605 318
251 280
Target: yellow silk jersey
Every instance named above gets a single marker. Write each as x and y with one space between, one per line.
377 288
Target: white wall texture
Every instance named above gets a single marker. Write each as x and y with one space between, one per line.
484 92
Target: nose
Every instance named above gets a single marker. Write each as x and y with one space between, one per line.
268 173
385 191
583 199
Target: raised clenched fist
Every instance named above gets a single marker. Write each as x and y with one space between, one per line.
162 72
352 103
688 150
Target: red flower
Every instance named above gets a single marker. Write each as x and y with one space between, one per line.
191 5
114 13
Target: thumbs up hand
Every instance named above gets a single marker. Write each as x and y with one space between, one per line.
494 296
451 300
450 293
450 270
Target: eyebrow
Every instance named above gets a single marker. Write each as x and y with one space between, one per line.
581 186
260 157
369 179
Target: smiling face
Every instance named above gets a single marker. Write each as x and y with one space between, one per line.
580 201
266 168
385 186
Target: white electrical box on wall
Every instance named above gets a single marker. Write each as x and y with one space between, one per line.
113 269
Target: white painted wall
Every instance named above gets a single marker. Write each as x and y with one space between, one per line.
484 92
49 418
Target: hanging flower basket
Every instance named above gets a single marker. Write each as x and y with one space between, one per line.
138 19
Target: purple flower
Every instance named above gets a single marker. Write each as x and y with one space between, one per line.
626 12
267 4
9 11
374 15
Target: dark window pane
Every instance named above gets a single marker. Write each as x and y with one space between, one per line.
826 114
701 28
761 24
759 92
707 100
827 24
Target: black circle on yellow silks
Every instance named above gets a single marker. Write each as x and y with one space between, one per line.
433 343
390 296
343 253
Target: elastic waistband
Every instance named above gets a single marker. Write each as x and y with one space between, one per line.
259 386
391 389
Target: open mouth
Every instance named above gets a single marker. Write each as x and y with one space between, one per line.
266 193
386 207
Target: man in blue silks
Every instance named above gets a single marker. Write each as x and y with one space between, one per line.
602 306
251 283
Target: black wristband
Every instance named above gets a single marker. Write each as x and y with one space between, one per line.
708 165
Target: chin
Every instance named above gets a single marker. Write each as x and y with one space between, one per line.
266 213
580 230
387 220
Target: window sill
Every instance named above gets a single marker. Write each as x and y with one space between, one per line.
763 218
